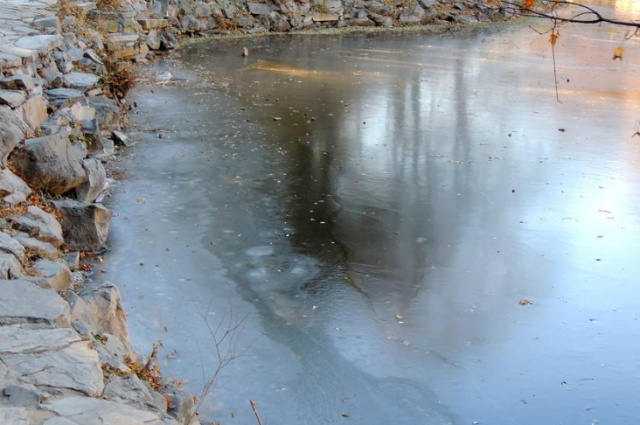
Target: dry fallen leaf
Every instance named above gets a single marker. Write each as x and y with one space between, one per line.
617 54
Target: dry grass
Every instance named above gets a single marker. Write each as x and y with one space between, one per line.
83 25
225 24
320 8
45 206
108 5
69 8
149 371
119 78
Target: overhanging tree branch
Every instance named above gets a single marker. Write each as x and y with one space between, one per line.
533 9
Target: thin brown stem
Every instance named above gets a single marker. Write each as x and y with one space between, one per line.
255 411
555 72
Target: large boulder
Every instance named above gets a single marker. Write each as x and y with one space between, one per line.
51 163
56 273
40 225
25 302
13 189
85 226
12 130
96 179
101 310
10 266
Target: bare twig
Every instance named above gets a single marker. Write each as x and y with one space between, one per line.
255 412
151 359
596 17
577 13
224 337
553 39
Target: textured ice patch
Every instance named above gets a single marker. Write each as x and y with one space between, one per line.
259 251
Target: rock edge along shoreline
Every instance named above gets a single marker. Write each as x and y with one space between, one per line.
65 353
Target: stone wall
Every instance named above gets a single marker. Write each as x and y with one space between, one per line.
65 354
156 25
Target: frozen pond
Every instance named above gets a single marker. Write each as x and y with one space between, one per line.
379 207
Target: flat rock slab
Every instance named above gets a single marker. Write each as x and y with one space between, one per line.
131 390
22 395
259 8
56 273
23 54
409 19
64 97
122 38
40 225
7 60
36 248
14 415
79 112
13 98
19 339
34 111
13 189
90 411
325 17
59 420
75 367
25 302
38 229
80 80
149 24
11 246
42 44
17 82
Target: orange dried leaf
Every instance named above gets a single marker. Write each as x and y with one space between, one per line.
529 4
618 53
553 38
